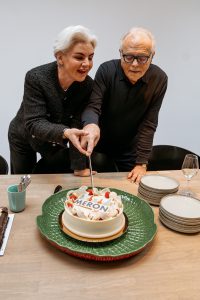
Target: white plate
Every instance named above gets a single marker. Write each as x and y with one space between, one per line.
180 220
181 206
178 227
149 200
159 182
151 192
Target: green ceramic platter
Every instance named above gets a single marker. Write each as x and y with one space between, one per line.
141 230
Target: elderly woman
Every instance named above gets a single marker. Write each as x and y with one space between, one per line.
55 95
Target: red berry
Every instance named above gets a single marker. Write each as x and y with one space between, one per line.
73 197
107 194
90 192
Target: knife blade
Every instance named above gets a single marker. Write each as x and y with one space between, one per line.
91 175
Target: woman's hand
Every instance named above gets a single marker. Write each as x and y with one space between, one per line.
136 174
90 140
83 173
75 135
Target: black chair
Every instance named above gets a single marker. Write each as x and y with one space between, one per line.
3 166
100 163
167 157
103 163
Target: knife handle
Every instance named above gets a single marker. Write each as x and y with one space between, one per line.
58 188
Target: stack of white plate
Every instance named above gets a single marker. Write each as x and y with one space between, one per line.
180 213
152 188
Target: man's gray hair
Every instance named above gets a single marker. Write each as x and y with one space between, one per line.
137 30
72 35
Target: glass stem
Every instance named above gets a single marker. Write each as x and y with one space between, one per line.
188 186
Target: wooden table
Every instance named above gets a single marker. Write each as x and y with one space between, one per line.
33 269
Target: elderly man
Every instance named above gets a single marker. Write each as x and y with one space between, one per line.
125 104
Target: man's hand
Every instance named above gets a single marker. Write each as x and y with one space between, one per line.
136 174
75 135
89 141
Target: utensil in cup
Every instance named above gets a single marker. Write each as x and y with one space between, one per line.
24 182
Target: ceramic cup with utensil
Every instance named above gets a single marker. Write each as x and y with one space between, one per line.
17 200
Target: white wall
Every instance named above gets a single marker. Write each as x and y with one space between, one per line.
28 29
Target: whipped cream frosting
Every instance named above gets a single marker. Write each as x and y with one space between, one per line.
96 204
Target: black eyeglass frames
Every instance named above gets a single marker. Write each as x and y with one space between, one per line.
141 59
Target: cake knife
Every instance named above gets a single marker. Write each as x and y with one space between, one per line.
91 175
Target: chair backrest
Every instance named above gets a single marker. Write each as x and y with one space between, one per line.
103 163
3 166
167 157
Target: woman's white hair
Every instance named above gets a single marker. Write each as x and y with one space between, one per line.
72 35
139 30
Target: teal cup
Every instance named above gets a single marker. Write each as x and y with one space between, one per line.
16 199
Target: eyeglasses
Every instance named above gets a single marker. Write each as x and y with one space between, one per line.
141 60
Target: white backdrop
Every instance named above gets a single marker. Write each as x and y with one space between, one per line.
28 29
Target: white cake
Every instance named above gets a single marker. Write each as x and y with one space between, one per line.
93 213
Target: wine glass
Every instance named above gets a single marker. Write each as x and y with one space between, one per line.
190 168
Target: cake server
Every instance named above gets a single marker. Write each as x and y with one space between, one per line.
91 175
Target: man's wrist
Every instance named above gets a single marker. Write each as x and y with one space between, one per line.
142 165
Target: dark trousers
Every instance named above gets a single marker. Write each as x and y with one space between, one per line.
56 159
23 160
57 164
